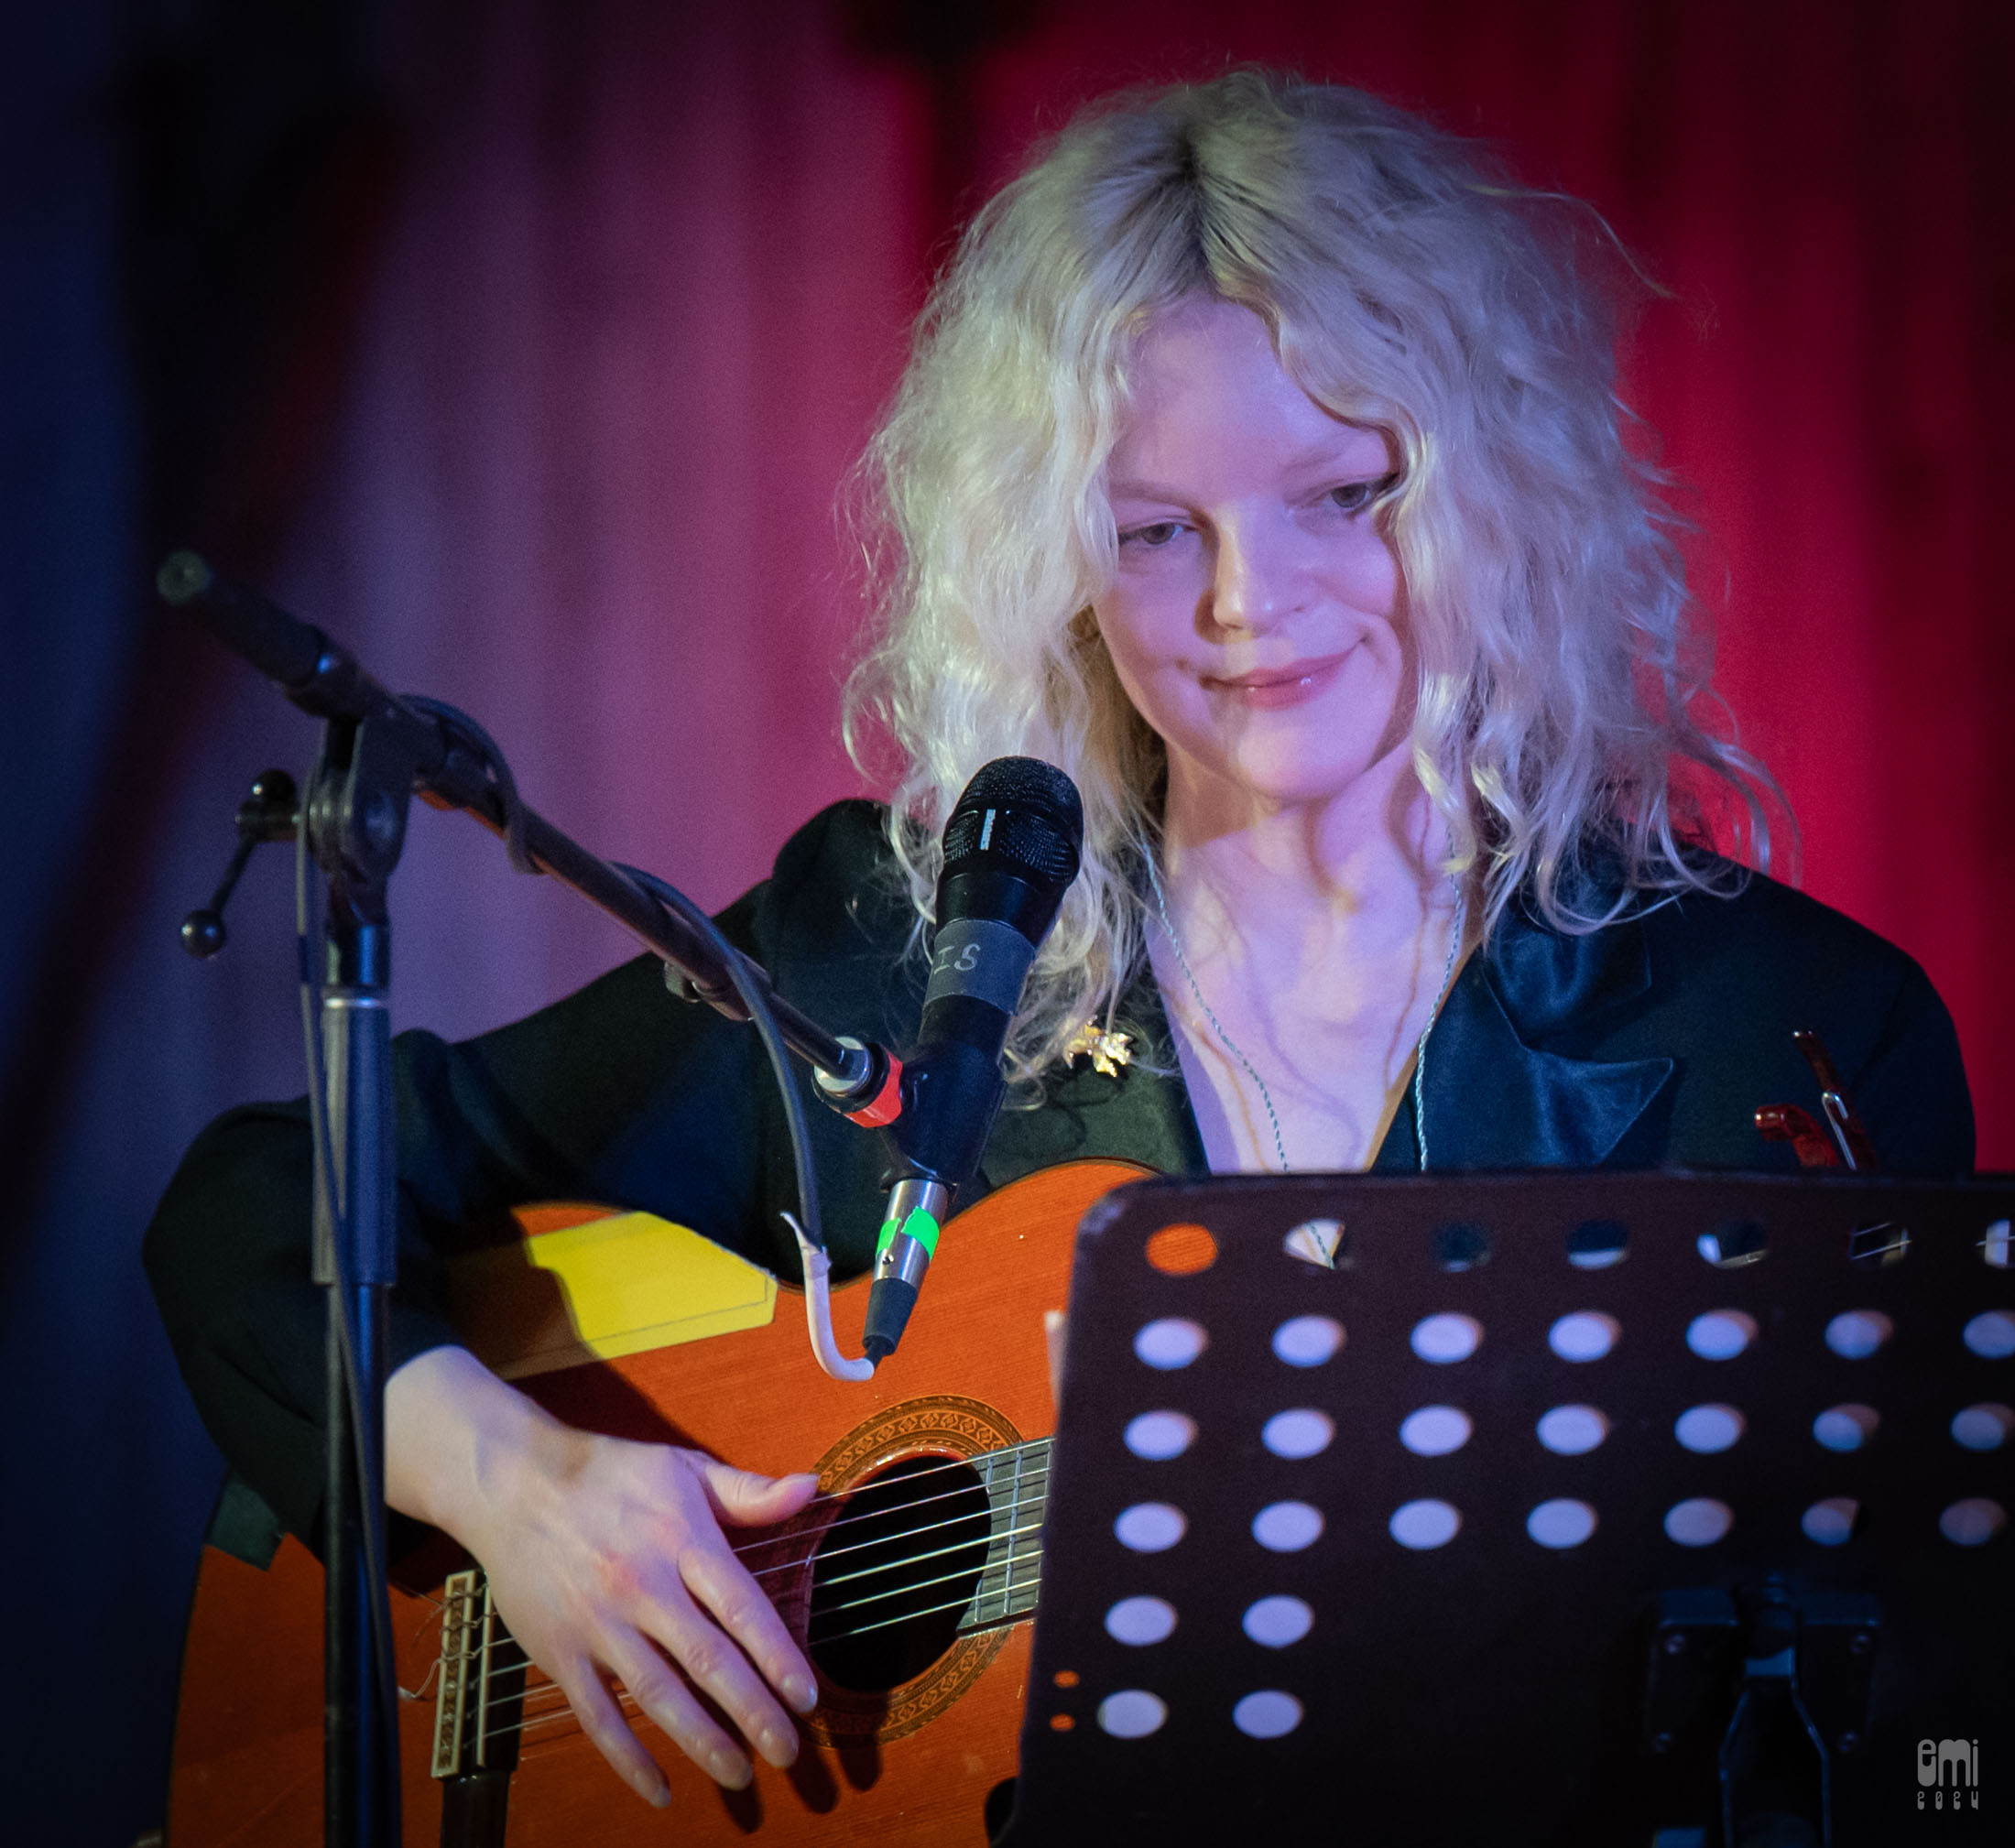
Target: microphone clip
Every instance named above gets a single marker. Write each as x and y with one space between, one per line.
869 1089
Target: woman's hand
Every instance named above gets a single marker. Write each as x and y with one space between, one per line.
606 1556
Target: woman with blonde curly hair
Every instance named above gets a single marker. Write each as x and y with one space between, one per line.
1412 298
1258 464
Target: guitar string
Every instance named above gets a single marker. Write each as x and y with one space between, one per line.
882 1597
989 1541
625 1700
908 1560
920 1559
819 1552
1020 1453
1030 1486
553 1716
1023 1450
1026 1445
1019 1479
1022 1477
1035 1584
979 1592
1034 1480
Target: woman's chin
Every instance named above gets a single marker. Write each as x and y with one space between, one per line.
1294 779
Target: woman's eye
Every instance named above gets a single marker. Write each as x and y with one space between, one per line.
1158 534
1353 497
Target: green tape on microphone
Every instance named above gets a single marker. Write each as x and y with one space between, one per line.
919 1226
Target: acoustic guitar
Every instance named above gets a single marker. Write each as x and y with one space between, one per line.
911 1580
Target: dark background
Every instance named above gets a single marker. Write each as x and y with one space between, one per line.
525 346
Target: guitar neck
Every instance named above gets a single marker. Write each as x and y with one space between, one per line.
1017 1480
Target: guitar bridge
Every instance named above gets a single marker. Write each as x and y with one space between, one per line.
465 1620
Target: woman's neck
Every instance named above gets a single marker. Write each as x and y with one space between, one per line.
1360 869
1306 948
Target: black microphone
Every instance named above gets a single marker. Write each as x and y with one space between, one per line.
1010 852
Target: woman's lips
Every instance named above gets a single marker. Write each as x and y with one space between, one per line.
1270 689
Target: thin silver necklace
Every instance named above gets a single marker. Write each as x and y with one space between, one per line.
1231 1046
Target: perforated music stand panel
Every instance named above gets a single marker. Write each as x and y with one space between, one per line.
1262 1610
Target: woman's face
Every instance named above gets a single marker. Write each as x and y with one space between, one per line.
1257 618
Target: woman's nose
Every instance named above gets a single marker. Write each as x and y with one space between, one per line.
1252 585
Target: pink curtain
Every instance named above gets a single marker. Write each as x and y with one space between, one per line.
654 275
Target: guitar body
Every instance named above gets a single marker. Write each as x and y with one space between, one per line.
907 1763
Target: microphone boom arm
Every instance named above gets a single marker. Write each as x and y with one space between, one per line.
324 680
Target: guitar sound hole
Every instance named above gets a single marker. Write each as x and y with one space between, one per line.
896 1571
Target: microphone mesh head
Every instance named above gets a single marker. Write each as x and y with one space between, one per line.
1037 825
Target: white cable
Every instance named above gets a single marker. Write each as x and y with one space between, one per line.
818 1311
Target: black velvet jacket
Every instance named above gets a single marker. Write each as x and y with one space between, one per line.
1647 1044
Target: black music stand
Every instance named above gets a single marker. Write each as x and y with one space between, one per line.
1839 1658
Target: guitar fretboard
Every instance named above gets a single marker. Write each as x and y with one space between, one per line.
1017 1485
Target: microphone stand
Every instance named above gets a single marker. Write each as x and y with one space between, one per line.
353 826
377 751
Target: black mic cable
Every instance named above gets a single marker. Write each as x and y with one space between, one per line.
1011 850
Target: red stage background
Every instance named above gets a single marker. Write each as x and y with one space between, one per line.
599 305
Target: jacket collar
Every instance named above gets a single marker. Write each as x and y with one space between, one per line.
1496 1095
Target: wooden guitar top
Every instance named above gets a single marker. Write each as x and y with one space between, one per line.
913 1765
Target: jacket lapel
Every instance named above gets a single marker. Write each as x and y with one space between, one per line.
1496 1097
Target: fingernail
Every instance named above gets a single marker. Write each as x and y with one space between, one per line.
654 1791
730 1768
802 1692
778 1747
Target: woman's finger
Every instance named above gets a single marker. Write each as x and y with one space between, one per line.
648 1592
743 1613
602 1719
738 1601
746 1499
708 1658
658 1690
710 1661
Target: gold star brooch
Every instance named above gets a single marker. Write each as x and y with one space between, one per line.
1107 1051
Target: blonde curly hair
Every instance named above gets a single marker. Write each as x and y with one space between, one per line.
1408 287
